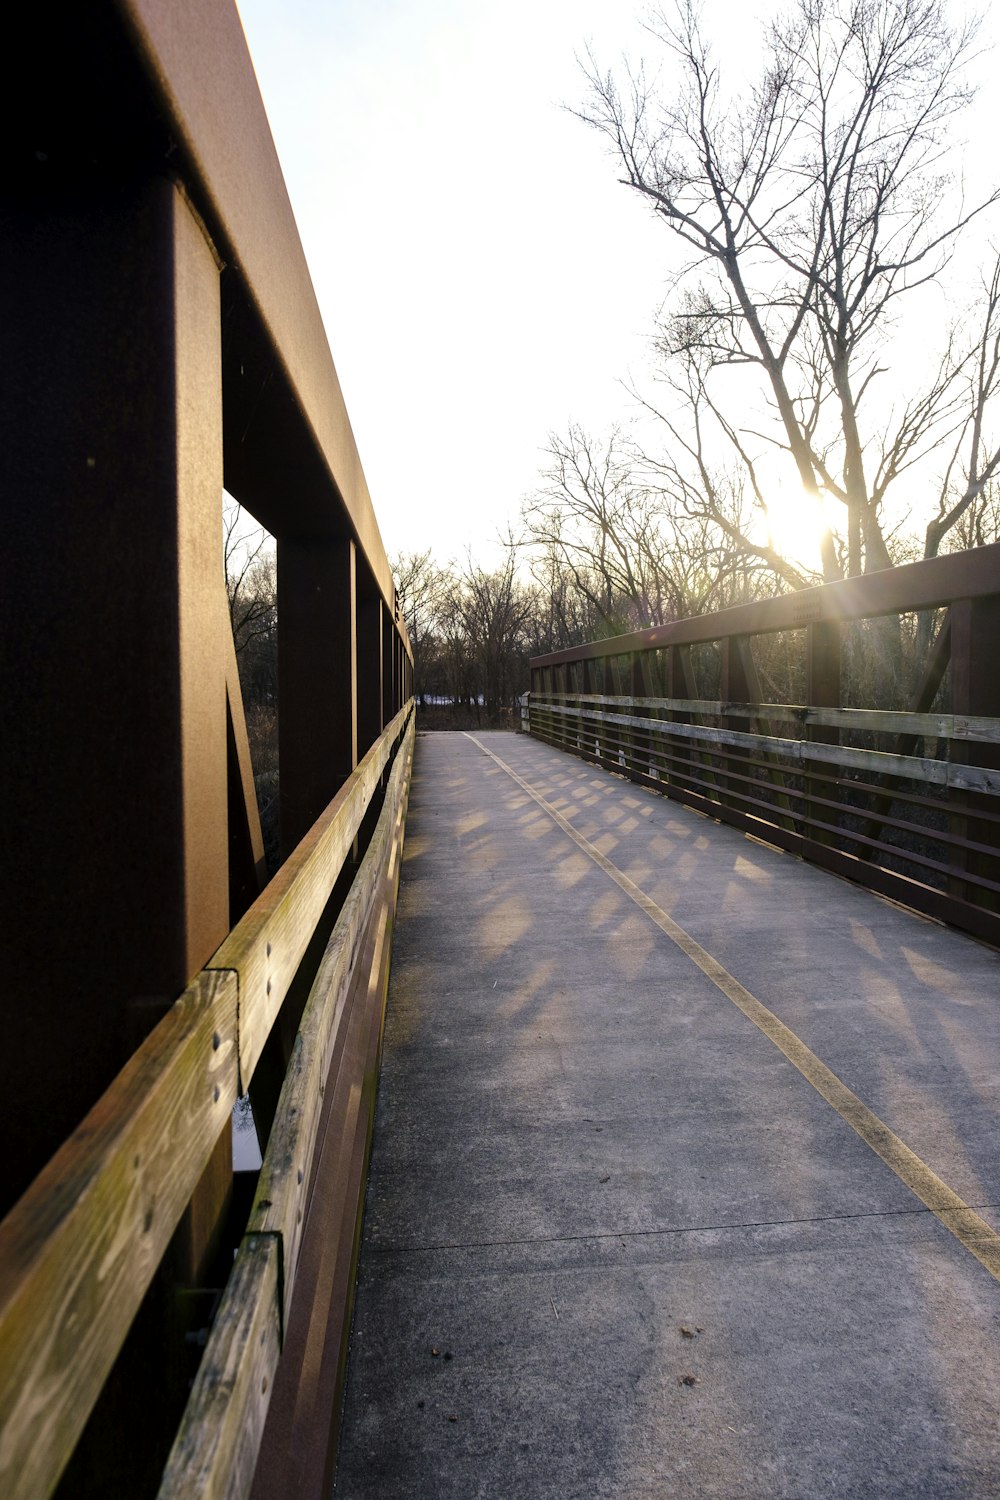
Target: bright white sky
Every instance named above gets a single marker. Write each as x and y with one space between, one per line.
482 276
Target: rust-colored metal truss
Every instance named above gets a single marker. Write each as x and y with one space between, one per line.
161 341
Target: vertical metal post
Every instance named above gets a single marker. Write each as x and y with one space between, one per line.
600 683
317 667
535 676
369 666
681 684
734 687
114 746
561 683
586 690
636 738
114 751
823 667
387 636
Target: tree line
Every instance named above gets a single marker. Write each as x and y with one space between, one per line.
830 333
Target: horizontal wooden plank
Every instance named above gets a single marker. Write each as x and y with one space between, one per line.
745 791
225 1403
296 1457
914 768
80 1248
881 721
266 946
215 1451
286 1173
936 903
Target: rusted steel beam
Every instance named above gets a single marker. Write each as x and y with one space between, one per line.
370 610
113 618
132 89
317 668
203 87
162 337
387 650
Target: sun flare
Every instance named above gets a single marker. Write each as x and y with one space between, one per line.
795 523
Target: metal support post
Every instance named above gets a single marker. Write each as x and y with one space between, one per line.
369 664
317 671
823 670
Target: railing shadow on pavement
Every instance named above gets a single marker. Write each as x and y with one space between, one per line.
900 799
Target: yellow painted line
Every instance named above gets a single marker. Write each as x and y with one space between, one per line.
954 1213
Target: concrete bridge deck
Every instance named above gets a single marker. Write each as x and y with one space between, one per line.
686 1176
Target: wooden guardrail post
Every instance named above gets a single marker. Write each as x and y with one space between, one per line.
656 677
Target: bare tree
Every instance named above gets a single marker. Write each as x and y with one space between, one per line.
692 483
420 584
638 540
251 586
563 615
489 617
807 207
974 460
601 523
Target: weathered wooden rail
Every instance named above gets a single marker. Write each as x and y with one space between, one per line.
902 799
162 340
82 1245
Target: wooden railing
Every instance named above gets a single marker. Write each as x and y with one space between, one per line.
163 342
902 799
83 1244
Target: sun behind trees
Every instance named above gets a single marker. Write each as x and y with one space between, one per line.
823 394
813 209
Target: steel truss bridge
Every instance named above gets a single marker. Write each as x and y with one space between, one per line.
163 1330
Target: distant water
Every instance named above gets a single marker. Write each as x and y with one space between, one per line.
246 1150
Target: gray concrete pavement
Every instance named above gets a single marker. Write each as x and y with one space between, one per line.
615 1243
